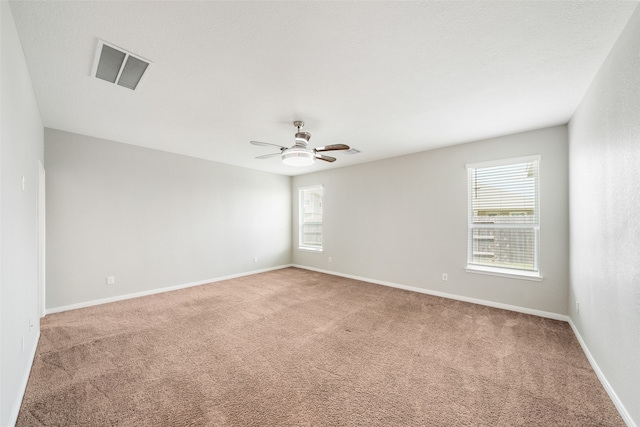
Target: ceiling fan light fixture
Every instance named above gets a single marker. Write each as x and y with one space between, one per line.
297 156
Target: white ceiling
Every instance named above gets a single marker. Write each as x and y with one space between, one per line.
388 78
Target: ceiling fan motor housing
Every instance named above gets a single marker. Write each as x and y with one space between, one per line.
303 137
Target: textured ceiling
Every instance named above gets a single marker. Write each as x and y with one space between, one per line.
388 78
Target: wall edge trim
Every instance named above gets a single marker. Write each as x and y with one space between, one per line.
540 313
13 417
622 410
555 316
158 290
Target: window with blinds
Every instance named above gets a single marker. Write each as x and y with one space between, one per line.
504 216
310 211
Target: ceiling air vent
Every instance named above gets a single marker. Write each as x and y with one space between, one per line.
118 66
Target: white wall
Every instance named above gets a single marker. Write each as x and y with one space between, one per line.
404 221
20 149
605 207
154 219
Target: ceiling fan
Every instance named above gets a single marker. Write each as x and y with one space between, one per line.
299 154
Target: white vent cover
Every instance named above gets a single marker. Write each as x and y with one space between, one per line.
118 66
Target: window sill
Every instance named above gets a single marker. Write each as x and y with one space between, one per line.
491 271
310 249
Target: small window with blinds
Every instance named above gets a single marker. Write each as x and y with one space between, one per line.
504 217
310 221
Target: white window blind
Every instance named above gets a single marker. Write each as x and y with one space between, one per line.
504 216
310 221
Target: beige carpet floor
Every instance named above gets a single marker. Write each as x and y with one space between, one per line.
298 348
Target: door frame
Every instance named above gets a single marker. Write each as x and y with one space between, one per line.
41 238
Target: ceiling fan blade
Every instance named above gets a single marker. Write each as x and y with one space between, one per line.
325 158
268 156
267 144
332 147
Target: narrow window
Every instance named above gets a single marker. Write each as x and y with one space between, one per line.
310 231
504 217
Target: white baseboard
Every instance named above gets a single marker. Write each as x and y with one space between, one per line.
509 307
612 394
23 385
157 291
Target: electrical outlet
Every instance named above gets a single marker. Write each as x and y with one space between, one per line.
577 307
111 280
330 259
445 276
255 259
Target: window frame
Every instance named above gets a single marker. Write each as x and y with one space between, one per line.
471 267
301 205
